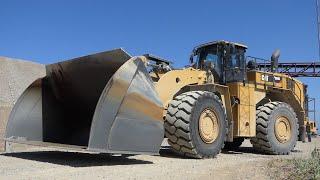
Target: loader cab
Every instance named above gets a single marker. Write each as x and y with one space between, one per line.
224 59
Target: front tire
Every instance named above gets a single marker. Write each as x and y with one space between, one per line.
196 124
277 129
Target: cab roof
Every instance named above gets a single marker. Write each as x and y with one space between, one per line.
218 42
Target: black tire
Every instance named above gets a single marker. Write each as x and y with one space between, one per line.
266 140
234 145
182 124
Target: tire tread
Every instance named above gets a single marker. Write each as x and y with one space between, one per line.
261 142
177 124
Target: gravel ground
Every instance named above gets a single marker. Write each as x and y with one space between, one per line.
40 163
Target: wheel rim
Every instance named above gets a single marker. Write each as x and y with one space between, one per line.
208 126
283 129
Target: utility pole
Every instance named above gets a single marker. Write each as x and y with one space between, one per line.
318 28
318 25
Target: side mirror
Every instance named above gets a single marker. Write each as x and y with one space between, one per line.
208 64
191 58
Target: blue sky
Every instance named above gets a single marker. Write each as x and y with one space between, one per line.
49 31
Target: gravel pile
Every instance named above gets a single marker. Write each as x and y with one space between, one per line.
15 76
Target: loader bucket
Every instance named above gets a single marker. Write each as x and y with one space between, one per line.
104 102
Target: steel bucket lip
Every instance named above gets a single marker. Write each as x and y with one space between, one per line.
80 58
76 78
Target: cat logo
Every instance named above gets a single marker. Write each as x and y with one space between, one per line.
270 78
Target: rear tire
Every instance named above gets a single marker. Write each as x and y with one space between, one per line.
277 129
234 145
182 125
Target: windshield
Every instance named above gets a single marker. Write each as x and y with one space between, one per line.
228 62
210 54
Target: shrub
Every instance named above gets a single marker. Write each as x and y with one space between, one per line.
297 168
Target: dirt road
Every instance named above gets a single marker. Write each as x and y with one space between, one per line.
243 164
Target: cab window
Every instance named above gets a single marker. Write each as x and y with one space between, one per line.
211 54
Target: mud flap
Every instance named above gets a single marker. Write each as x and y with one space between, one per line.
104 102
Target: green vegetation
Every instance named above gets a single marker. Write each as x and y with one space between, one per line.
297 168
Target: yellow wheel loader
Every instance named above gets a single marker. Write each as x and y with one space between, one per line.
111 102
314 128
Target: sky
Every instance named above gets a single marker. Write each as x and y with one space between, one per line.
49 31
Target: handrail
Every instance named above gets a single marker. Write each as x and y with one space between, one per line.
300 69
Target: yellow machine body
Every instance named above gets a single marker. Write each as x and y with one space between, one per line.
313 126
259 87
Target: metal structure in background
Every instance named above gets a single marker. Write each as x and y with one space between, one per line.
313 111
309 111
293 69
303 69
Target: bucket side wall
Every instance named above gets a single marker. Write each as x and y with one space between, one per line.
15 76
